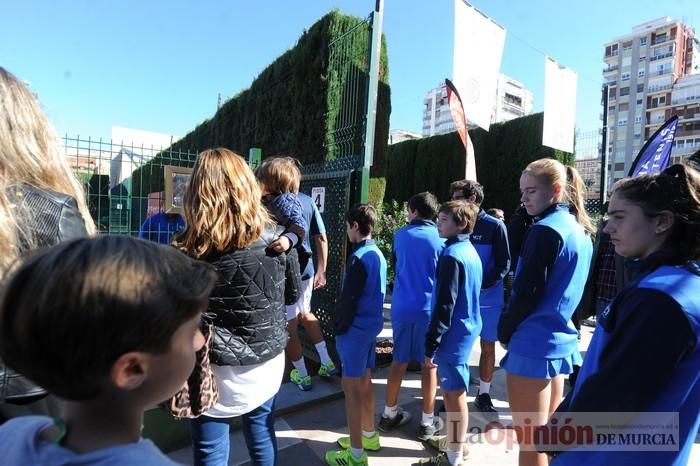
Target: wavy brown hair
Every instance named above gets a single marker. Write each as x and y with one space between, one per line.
551 172
222 205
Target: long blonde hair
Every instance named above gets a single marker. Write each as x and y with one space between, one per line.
29 154
552 172
222 205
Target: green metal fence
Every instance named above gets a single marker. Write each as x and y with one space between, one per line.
127 183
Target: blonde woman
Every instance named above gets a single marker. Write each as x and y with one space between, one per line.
551 273
41 204
227 226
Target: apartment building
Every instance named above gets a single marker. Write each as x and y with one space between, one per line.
643 70
512 100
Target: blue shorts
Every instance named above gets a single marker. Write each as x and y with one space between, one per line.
489 319
453 378
540 368
356 353
409 342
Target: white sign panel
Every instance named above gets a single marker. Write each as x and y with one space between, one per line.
319 197
559 106
476 62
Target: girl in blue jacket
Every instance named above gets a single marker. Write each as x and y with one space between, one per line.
536 327
651 329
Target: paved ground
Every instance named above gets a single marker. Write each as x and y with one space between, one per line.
311 422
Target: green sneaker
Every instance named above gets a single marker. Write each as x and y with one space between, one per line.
439 442
304 383
368 443
439 460
326 370
345 458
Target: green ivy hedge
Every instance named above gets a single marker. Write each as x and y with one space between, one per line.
431 164
291 109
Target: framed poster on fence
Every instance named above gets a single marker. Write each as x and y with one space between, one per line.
176 179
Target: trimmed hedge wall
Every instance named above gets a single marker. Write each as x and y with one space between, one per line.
290 108
431 164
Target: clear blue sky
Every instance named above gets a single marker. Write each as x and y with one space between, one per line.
159 65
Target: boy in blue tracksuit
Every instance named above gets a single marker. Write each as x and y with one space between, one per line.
455 323
490 240
359 319
416 249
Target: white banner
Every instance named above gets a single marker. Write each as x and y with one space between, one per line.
559 106
476 62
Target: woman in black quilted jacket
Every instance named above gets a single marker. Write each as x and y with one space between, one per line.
228 226
41 204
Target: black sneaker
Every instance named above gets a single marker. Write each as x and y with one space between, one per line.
386 423
426 432
483 403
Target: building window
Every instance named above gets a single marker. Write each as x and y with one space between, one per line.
638 119
624 91
625 76
640 87
622 122
627 45
623 107
639 102
642 41
641 73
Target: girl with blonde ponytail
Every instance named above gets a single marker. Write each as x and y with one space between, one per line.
536 326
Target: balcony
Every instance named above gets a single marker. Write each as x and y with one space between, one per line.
661 73
661 39
611 68
664 87
659 57
685 100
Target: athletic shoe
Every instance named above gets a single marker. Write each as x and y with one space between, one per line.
439 442
304 383
483 403
345 458
387 423
439 460
368 443
326 370
590 322
426 432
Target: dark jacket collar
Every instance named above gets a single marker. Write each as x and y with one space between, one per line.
423 222
367 242
669 255
551 209
457 239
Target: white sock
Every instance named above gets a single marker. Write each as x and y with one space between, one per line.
391 411
454 457
484 387
300 366
368 434
323 352
357 452
428 419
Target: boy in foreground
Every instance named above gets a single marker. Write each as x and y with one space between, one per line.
455 323
360 318
111 325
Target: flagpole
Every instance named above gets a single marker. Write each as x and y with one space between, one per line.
604 152
372 91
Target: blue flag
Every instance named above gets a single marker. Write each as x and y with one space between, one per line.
655 155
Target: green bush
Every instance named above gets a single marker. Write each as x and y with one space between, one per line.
377 186
431 164
390 217
300 105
